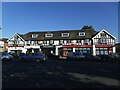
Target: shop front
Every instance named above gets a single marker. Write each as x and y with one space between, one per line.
48 50
76 48
104 49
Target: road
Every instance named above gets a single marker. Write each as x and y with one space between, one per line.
60 74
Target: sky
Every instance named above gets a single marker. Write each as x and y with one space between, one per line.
23 17
0 13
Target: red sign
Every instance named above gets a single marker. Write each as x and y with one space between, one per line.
104 45
77 46
15 46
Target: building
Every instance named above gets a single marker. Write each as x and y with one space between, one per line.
3 44
117 46
86 40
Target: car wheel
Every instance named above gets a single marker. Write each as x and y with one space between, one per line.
22 59
37 60
4 59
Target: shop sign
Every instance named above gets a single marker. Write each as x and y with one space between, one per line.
47 46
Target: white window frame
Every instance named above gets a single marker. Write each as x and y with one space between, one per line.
49 35
65 35
87 41
80 33
34 35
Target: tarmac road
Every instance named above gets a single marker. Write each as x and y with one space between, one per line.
60 74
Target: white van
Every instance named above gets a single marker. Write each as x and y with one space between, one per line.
75 55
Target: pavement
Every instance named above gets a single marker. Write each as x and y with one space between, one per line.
55 73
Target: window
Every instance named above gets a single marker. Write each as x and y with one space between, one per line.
49 35
61 41
34 35
78 41
40 42
102 41
65 34
73 41
102 34
81 33
56 42
86 41
51 41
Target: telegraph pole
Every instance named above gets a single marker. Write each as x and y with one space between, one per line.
0 19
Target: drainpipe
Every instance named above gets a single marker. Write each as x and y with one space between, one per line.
56 50
114 49
94 50
32 50
73 49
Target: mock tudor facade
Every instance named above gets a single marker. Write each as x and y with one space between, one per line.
3 44
86 40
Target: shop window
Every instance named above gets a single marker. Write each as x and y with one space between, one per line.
101 48
106 52
81 51
101 52
88 48
76 49
97 52
64 48
69 48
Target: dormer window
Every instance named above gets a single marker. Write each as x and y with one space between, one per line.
65 35
49 35
34 35
81 33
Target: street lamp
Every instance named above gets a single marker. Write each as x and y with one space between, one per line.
0 32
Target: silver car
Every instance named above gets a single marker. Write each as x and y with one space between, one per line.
38 57
6 56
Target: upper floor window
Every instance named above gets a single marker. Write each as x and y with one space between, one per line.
86 41
34 35
49 35
65 34
102 41
81 33
102 34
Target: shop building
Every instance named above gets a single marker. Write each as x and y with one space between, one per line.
3 44
86 40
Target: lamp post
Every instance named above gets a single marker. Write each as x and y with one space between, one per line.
0 32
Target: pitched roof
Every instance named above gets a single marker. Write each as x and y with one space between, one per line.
74 34
105 31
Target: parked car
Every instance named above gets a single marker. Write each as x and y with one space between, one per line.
90 57
106 58
5 56
38 57
75 55
115 57
21 54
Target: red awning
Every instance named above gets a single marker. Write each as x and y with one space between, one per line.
77 46
15 46
104 45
